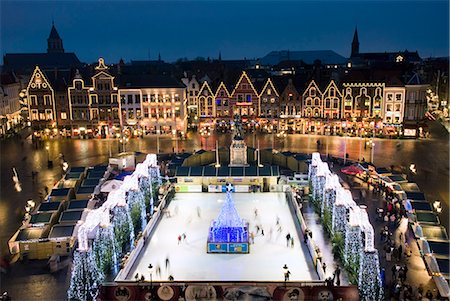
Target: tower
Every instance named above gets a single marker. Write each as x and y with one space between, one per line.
54 42
355 44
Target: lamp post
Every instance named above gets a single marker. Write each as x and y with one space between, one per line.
49 163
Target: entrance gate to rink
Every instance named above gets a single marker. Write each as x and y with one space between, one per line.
242 290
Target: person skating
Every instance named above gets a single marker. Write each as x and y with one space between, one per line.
337 274
288 238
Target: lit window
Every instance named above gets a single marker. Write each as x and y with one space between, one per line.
63 115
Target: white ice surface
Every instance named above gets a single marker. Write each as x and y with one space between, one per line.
189 260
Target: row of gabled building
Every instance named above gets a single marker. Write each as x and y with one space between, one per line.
61 94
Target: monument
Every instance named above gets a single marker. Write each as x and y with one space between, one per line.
228 233
238 148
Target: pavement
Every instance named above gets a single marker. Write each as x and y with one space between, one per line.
323 241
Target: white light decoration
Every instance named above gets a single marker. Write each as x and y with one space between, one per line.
111 229
85 278
352 222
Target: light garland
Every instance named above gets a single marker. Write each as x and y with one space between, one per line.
85 278
352 222
105 249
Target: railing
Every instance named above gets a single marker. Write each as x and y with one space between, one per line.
123 273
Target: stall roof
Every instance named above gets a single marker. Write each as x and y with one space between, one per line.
30 233
41 218
382 170
99 168
416 196
85 189
48 206
398 179
95 174
439 247
237 171
434 232
410 187
196 171
423 206
225 171
69 216
90 182
60 191
73 175
77 204
251 171
58 231
443 264
427 217
77 169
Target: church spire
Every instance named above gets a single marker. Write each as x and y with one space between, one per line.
355 44
54 41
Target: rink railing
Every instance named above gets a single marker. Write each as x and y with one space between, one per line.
310 244
134 255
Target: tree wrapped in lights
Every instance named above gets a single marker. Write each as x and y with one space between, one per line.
353 246
86 277
105 248
370 286
123 228
136 203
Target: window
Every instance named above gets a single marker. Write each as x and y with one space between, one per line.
222 93
48 114
272 100
33 100
291 98
34 115
144 98
327 103
94 99
130 99
240 97
398 97
390 97
335 103
397 107
152 98
389 107
312 92
218 102
209 101
191 93
193 86
63 115
47 100
249 98
114 98
225 102
332 92
269 92
316 101
137 98
41 116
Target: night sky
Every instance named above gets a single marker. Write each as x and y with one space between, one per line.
139 30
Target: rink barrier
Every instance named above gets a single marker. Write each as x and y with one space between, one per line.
310 244
123 273
212 290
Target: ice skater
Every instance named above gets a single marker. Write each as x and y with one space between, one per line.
288 239
183 236
278 221
286 275
292 242
179 239
255 211
167 263
158 270
199 212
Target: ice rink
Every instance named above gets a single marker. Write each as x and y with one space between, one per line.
188 261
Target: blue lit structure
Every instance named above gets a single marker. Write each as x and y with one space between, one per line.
228 233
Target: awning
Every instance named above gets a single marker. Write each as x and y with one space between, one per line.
111 185
352 170
442 286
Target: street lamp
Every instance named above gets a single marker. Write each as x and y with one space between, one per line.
49 163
